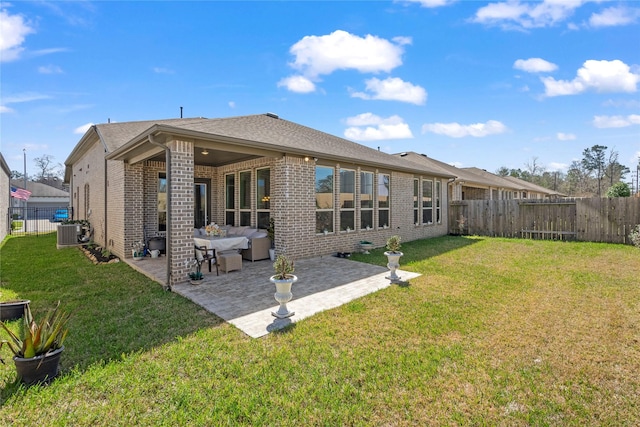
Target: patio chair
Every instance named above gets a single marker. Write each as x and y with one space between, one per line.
205 254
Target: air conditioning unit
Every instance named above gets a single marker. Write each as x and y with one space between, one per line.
68 235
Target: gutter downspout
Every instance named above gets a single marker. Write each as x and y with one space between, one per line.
168 238
106 177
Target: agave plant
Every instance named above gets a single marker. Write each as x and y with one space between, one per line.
35 339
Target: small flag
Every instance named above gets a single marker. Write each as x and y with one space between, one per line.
20 193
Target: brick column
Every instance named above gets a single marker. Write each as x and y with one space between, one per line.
133 206
180 233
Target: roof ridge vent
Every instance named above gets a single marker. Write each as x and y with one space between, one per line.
272 115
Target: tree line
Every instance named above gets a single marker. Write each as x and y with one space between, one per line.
598 174
49 172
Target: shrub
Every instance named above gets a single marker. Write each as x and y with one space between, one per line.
619 189
635 236
283 267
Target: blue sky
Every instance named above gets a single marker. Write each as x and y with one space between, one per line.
470 83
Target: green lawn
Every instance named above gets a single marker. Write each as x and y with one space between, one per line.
494 332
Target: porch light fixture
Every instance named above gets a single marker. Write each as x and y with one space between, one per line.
205 151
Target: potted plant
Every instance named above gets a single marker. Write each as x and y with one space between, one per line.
271 233
195 275
393 257
138 251
13 309
283 279
37 347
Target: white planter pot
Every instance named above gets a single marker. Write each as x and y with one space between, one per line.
283 295
393 259
272 254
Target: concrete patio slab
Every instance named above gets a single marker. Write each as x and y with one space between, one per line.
245 298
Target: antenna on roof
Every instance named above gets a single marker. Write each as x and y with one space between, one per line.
180 112
109 120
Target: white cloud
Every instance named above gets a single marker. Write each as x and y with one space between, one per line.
430 3
298 84
82 129
616 121
13 30
565 136
456 130
49 69
526 15
393 89
631 103
24 97
614 16
370 127
600 76
535 65
340 50
5 109
162 70
231 104
560 167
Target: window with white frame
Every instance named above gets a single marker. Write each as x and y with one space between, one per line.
245 198
366 200
324 199
230 199
384 200
263 197
427 201
347 199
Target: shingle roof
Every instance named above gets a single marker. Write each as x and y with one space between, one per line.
115 135
270 131
531 186
39 189
494 180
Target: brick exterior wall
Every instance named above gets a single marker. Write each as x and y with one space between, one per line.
131 207
5 199
88 191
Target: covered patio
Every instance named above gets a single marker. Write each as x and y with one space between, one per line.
245 298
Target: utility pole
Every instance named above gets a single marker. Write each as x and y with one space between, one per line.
24 214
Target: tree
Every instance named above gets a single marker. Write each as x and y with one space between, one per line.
48 169
593 161
619 189
17 175
534 169
614 171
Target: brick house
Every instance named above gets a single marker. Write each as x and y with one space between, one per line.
325 193
478 184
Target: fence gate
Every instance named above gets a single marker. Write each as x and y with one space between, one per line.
36 220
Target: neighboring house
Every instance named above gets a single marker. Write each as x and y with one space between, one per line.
529 190
478 184
43 198
5 198
139 179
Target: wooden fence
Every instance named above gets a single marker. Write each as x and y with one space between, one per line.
588 220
